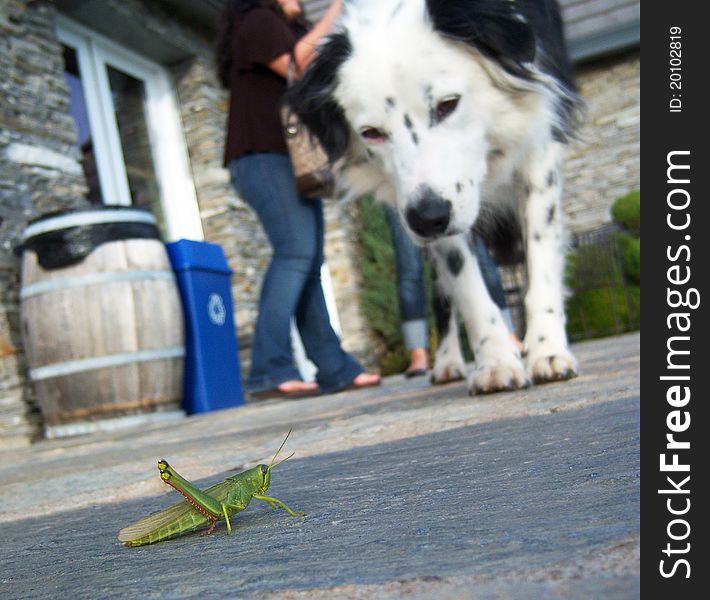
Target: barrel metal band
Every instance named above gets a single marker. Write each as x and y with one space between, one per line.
81 219
51 285
101 362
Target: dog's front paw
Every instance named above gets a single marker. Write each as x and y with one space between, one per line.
555 367
447 371
497 378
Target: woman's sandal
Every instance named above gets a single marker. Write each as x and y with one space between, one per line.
419 363
409 373
365 380
287 394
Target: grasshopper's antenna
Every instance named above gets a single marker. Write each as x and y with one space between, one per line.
283 460
272 465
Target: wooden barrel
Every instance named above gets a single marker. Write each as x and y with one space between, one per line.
101 316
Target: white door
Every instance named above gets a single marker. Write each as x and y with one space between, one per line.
129 130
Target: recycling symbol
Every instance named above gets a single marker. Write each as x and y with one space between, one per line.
216 309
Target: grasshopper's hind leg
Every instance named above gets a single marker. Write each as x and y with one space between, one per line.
206 504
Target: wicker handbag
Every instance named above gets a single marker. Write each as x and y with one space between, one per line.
311 167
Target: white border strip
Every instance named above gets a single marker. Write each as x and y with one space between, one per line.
79 219
61 283
100 362
110 424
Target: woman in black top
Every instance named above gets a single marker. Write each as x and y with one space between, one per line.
255 47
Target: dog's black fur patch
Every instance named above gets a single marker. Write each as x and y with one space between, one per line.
491 26
441 305
502 233
454 262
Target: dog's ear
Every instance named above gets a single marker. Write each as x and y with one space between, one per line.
494 27
311 97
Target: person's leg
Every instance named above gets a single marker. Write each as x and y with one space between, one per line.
291 286
336 368
265 182
410 291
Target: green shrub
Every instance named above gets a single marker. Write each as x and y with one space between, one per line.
605 278
603 307
377 265
630 250
627 212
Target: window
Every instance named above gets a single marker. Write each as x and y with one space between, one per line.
129 132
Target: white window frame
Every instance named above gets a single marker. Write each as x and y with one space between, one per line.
177 190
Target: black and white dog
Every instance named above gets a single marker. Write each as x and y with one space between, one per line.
456 112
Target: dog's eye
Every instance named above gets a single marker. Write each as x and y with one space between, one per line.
373 134
446 107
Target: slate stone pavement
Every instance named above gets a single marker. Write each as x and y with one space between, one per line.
411 491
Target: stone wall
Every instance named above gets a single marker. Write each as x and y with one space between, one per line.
605 163
39 172
226 220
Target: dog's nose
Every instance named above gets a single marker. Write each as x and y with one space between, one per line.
429 216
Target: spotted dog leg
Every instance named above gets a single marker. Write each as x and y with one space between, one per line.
498 363
549 357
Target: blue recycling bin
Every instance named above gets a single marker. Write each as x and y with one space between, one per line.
212 373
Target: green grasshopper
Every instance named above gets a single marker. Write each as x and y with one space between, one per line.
220 501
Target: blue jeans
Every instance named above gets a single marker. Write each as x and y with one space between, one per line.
410 283
291 287
491 275
489 271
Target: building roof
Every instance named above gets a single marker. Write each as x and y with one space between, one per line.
594 27
598 27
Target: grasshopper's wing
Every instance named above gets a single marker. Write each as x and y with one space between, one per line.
167 516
